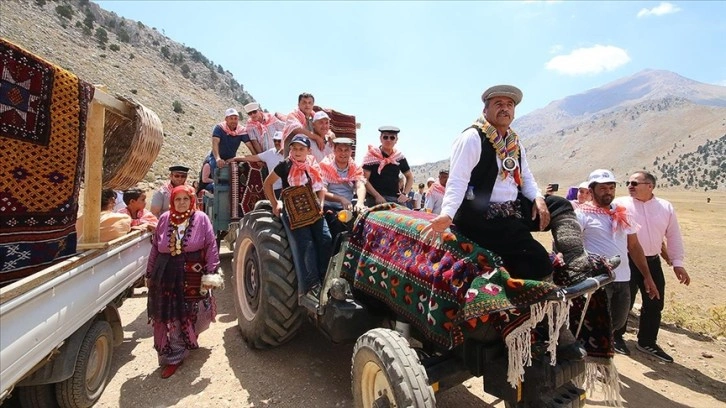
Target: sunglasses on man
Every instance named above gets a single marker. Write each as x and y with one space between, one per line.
388 137
252 112
634 183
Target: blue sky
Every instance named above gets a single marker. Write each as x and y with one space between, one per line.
422 66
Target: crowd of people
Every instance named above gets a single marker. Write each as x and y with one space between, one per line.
489 193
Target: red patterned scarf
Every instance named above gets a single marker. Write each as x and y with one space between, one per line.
507 146
618 214
375 155
295 120
297 175
437 189
331 175
239 130
267 120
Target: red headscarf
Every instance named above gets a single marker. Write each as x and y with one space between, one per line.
176 217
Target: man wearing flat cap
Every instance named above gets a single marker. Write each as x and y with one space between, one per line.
160 200
261 127
493 199
382 166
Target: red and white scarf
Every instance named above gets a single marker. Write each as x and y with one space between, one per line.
239 130
375 155
331 175
297 175
295 120
618 214
507 146
262 126
437 189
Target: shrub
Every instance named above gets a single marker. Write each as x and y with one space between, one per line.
101 36
40 3
114 47
79 24
134 91
87 31
65 11
185 70
102 55
165 51
131 55
220 69
177 107
140 24
123 36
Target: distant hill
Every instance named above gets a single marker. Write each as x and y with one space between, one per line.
187 90
655 120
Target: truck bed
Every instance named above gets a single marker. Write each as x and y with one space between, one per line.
39 312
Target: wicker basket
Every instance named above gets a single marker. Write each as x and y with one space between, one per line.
130 147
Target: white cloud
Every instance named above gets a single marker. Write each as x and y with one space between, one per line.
591 60
659 10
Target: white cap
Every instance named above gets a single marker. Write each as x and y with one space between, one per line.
253 106
320 115
584 184
277 136
601 176
343 140
231 112
431 180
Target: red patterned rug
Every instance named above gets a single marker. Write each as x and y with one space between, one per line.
43 110
249 187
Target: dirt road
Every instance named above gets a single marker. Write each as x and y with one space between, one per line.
311 372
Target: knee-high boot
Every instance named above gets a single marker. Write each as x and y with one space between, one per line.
567 234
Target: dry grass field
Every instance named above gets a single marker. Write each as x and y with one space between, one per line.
700 307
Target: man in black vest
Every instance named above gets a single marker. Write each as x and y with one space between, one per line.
494 200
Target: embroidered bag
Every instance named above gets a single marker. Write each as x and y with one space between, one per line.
301 205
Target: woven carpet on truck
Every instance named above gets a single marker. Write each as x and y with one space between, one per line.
43 111
444 288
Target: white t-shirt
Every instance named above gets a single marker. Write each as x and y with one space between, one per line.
416 200
599 238
272 158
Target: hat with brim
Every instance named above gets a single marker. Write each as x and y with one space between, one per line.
509 91
601 176
251 107
320 115
178 169
231 112
431 180
444 171
277 136
301 139
343 140
584 184
388 129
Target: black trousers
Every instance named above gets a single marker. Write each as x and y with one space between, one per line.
650 313
512 240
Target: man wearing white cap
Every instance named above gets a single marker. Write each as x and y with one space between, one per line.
261 126
609 229
272 157
226 138
343 180
583 193
321 128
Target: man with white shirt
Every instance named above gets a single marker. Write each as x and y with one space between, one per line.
435 196
609 229
493 198
321 127
657 220
261 127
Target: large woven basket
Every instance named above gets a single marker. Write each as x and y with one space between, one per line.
130 147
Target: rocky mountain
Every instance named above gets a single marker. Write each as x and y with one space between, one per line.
187 90
654 120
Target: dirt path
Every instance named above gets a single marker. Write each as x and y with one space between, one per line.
311 372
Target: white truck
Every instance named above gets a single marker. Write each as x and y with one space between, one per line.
58 326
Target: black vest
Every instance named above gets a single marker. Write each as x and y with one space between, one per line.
482 179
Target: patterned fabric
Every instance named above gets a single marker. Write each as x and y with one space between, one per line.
295 120
436 287
619 214
507 146
43 111
331 175
238 131
506 209
263 131
251 190
375 156
299 172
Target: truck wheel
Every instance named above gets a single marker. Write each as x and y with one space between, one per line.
40 396
264 282
92 367
387 373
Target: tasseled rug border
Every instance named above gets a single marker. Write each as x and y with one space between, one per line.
601 376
